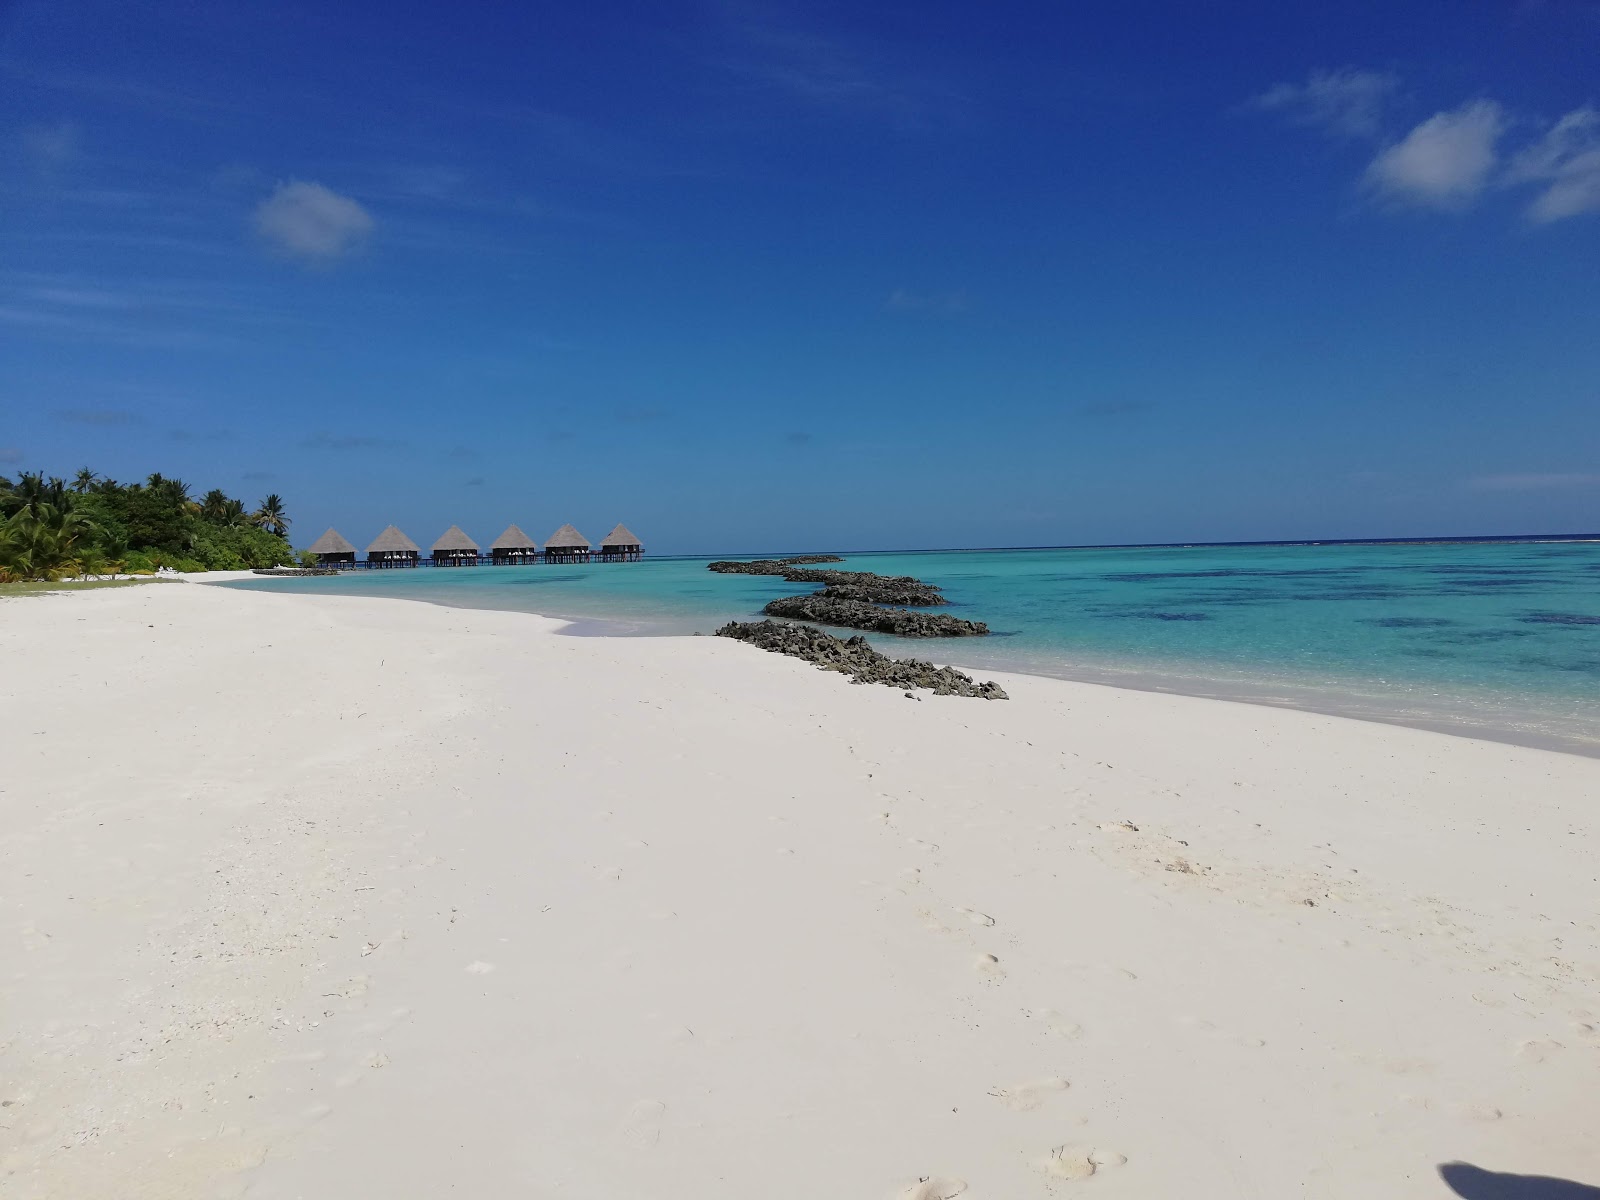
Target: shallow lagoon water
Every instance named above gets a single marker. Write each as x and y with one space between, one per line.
1495 639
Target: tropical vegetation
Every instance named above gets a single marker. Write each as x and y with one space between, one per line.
53 529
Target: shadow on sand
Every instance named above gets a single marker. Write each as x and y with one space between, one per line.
1474 1183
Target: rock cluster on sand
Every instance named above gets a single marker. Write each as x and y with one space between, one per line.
853 657
858 614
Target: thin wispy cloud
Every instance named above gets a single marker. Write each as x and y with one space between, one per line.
1566 161
102 417
312 222
323 440
642 414
1348 103
947 302
826 72
10 455
201 435
1450 160
52 146
798 437
1535 481
1445 162
123 92
1114 408
257 476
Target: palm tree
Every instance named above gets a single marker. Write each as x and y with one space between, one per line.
35 491
45 542
271 517
84 480
214 506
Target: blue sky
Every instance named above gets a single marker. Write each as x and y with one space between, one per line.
783 276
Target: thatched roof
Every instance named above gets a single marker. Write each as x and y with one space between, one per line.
332 542
621 536
567 538
390 540
514 539
454 539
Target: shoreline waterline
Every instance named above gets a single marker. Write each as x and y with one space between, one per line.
1493 639
1505 726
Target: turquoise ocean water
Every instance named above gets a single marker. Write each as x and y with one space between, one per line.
1498 640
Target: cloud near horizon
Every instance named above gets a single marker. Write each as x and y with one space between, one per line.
1348 103
1534 481
1443 163
10 455
312 222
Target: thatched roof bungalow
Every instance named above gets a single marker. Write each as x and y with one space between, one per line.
333 549
513 548
566 545
391 548
455 549
621 545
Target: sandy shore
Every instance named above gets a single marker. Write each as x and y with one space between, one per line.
326 898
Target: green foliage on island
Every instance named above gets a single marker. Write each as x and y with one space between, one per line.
53 529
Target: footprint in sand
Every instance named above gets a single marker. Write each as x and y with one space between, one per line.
1056 1025
989 967
976 917
1537 1050
934 1188
641 1128
1077 1162
1025 1097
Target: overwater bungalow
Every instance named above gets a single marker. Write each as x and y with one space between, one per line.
566 545
513 548
391 548
333 550
455 549
621 545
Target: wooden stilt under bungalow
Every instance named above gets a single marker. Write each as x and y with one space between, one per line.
513 548
455 549
333 550
391 548
566 545
621 545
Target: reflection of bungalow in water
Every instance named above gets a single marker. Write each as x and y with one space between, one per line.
455 549
566 545
391 548
513 548
332 550
621 545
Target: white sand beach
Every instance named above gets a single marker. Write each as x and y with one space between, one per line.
315 898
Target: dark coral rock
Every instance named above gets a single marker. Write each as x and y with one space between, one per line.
856 614
853 657
904 595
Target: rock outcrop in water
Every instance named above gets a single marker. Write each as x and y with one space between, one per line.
769 566
903 595
857 599
857 614
853 657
